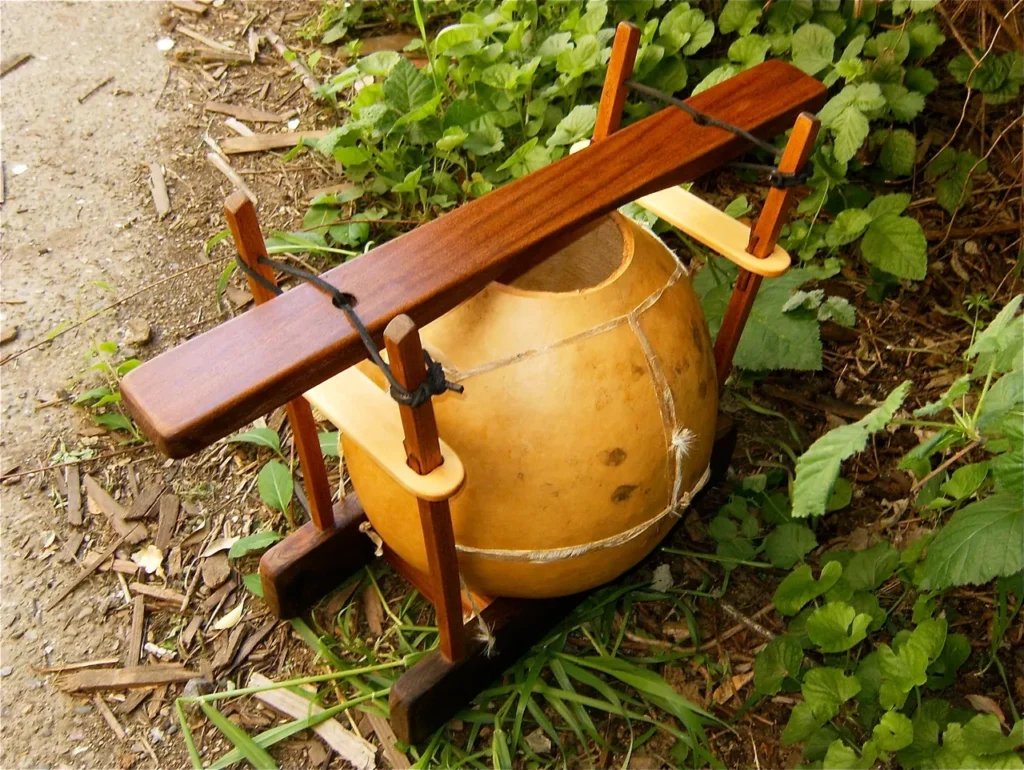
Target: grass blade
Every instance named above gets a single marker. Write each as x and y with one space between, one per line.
240 739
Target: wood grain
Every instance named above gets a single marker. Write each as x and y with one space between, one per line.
620 69
264 358
405 354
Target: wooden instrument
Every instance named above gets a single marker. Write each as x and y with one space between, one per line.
537 265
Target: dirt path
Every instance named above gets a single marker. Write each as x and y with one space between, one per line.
72 217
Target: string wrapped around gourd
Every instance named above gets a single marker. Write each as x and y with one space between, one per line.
586 424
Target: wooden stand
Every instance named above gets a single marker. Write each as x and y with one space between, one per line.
307 564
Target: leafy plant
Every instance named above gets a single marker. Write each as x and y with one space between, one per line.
104 401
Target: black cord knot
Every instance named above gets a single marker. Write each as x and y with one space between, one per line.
342 299
434 385
785 180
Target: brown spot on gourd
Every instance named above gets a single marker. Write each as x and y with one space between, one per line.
624 492
614 457
638 371
702 389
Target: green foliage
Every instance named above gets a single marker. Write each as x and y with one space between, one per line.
104 401
257 542
952 172
511 87
275 485
818 468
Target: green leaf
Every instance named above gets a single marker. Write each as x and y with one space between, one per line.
379 64
894 203
965 481
253 584
1001 336
740 16
840 311
577 125
264 437
897 245
115 421
581 58
748 51
406 88
980 542
898 152
813 48
826 689
818 468
924 39
779 660
894 732
485 137
837 627
738 207
716 76
903 104
329 446
788 544
255 755
841 757
906 668
985 735
275 485
458 40
94 394
921 80
955 652
685 28
802 724
864 570
849 225
850 129
257 542
800 587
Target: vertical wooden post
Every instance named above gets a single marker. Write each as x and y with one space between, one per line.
405 355
245 229
620 69
763 238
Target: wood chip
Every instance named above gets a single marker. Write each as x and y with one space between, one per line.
174 563
228 647
70 551
220 55
76 666
143 504
234 145
388 739
168 522
251 114
216 570
133 701
207 41
191 630
238 127
124 678
349 746
373 611
12 62
155 592
296 63
394 42
133 533
73 481
8 333
158 187
190 6
225 168
252 642
134 650
88 570
108 716
217 597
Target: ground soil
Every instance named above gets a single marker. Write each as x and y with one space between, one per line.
79 232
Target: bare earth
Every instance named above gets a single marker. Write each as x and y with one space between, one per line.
72 217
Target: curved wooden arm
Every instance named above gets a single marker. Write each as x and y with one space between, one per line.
199 392
714 228
369 417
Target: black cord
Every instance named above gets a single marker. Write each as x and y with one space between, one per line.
776 178
434 385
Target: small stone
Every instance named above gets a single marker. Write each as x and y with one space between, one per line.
538 741
8 333
216 570
972 248
137 332
76 735
83 710
6 671
198 686
156 735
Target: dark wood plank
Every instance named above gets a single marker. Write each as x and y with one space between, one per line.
763 237
310 563
264 358
435 689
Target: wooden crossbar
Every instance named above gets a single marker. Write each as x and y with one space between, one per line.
190 396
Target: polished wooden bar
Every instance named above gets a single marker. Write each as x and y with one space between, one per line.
202 390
